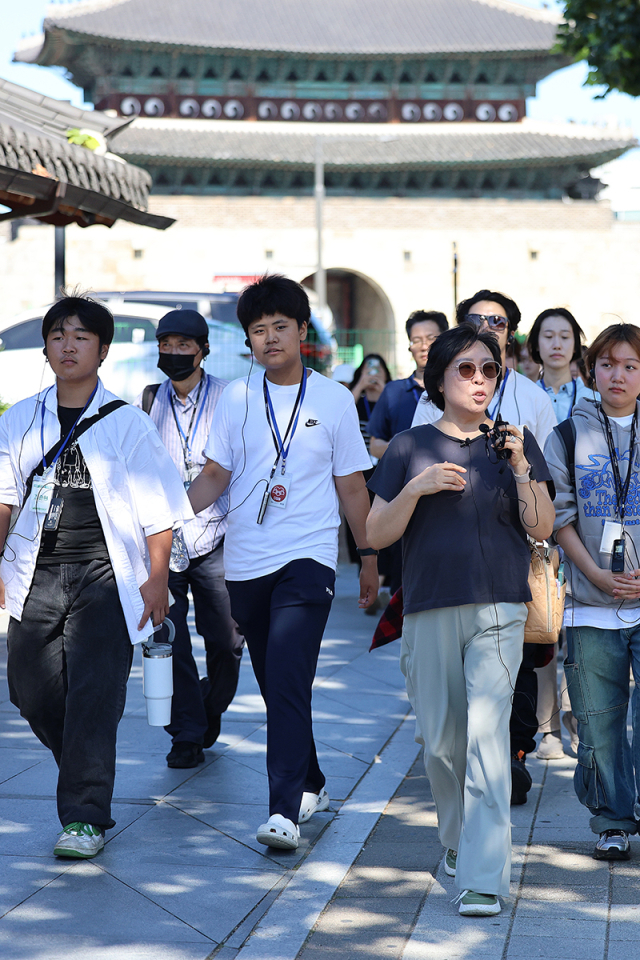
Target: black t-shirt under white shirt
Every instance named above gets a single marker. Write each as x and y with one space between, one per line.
460 547
79 537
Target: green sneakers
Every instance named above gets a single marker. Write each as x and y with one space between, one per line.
474 904
450 860
79 840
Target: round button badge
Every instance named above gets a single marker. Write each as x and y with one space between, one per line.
278 493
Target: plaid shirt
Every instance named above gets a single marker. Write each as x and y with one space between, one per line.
390 624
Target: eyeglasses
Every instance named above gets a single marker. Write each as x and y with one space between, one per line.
467 369
419 341
494 321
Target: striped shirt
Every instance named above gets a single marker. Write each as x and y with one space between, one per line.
207 530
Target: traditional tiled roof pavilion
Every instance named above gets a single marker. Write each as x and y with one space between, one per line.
230 98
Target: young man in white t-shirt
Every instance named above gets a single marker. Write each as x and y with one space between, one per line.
287 444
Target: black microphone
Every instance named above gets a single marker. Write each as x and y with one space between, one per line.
484 428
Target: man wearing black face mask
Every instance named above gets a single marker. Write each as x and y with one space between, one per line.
182 408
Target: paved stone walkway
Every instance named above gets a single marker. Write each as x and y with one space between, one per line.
183 878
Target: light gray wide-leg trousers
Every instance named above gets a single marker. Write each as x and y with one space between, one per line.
460 665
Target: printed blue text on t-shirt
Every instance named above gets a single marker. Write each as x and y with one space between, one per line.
596 487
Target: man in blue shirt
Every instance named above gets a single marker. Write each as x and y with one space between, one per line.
394 410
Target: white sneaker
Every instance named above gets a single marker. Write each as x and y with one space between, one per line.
612 845
313 803
79 840
279 832
550 747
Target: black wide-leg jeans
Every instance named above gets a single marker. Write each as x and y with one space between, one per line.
282 616
69 661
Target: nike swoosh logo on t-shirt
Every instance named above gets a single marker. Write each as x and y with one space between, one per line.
312 423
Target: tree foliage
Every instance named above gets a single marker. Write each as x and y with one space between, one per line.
605 33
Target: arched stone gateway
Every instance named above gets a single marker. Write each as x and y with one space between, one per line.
362 314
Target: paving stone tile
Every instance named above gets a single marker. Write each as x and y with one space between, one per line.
167 835
92 903
16 760
21 877
213 900
224 781
64 946
525 948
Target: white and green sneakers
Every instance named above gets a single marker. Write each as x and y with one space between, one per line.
474 904
79 840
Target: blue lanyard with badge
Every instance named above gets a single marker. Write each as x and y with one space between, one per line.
277 491
191 469
41 498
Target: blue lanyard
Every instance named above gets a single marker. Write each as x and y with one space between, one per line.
367 407
186 438
293 422
496 405
575 390
57 456
416 392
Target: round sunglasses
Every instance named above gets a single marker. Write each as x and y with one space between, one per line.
467 369
494 321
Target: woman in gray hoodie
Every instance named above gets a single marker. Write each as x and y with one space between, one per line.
595 471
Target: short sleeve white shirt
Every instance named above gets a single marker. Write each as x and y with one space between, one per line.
327 443
138 492
523 404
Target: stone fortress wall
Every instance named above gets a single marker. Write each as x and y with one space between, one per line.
543 253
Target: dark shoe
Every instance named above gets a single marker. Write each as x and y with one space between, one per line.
213 719
185 754
520 779
612 845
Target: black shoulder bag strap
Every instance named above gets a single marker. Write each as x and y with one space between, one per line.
149 395
82 427
566 430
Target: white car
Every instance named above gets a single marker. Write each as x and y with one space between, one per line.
133 355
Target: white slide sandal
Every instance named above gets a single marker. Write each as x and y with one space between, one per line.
279 832
313 803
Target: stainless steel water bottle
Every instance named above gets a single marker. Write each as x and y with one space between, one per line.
157 676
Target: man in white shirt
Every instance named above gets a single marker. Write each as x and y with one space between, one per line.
84 570
182 410
287 444
523 403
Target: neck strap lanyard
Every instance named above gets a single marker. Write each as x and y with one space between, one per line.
186 438
367 406
622 489
496 407
281 452
417 392
573 399
67 438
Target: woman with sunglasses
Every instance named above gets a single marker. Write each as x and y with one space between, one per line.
464 513
518 401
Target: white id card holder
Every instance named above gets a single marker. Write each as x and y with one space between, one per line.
612 530
192 472
41 493
279 491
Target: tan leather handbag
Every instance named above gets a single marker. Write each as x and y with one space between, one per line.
547 606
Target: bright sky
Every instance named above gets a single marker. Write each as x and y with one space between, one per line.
560 97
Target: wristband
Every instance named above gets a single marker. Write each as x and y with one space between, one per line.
523 477
366 552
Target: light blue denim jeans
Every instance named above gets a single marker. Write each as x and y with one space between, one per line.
607 776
